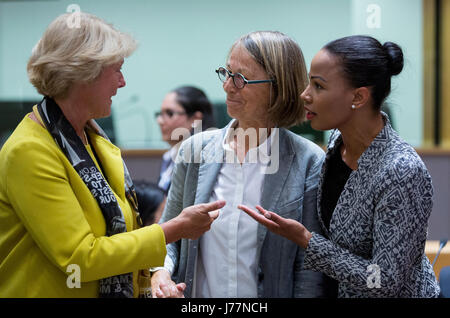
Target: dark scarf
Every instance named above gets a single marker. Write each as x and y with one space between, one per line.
119 286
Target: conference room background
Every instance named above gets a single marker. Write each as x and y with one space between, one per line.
182 42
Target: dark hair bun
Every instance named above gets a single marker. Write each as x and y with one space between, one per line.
395 56
366 62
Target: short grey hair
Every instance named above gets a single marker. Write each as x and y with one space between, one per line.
75 54
282 59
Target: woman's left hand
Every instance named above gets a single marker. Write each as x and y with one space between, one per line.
289 228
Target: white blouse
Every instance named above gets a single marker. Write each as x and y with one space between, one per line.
227 262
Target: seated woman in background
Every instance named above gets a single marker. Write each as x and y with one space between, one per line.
151 200
67 202
375 194
181 109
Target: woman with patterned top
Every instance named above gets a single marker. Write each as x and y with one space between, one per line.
375 193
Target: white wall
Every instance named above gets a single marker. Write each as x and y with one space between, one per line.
400 21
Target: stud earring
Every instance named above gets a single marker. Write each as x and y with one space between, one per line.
353 107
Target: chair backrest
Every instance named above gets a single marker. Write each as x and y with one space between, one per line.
11 113
444 281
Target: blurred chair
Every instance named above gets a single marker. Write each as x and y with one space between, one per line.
307 132
222 118
444 281
107 125
11 114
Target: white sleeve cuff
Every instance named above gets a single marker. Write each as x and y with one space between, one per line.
168 266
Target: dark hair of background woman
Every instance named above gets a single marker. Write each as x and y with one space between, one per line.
192 100
149 197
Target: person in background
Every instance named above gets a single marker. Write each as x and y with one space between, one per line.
184 110
375 193
253 160
151 200
68 211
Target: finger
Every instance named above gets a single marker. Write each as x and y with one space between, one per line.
174 291
211 206
263 211
181 287
159 293
249 211
214 214
258 217
165 290
270 215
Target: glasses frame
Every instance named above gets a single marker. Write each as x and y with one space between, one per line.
246 81
165 114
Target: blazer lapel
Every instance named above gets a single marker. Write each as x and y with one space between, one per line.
211 162
208 171
274 183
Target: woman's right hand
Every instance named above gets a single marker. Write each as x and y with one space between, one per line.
289 228
164 287
192 222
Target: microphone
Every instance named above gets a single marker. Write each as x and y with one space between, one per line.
442 243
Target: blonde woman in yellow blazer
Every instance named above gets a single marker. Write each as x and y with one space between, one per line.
54 236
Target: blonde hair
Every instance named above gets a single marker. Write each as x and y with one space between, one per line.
282 59
68 54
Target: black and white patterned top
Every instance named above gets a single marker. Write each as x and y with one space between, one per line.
376 240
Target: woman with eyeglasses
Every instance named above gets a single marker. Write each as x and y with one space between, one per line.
253 160
181 109
375 193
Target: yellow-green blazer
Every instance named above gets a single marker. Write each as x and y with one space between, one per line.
49 220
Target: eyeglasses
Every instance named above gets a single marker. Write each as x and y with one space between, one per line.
168 113
239 80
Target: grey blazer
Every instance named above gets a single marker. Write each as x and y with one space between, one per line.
376 239
291 192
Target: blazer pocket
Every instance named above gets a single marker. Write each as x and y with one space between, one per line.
290 209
